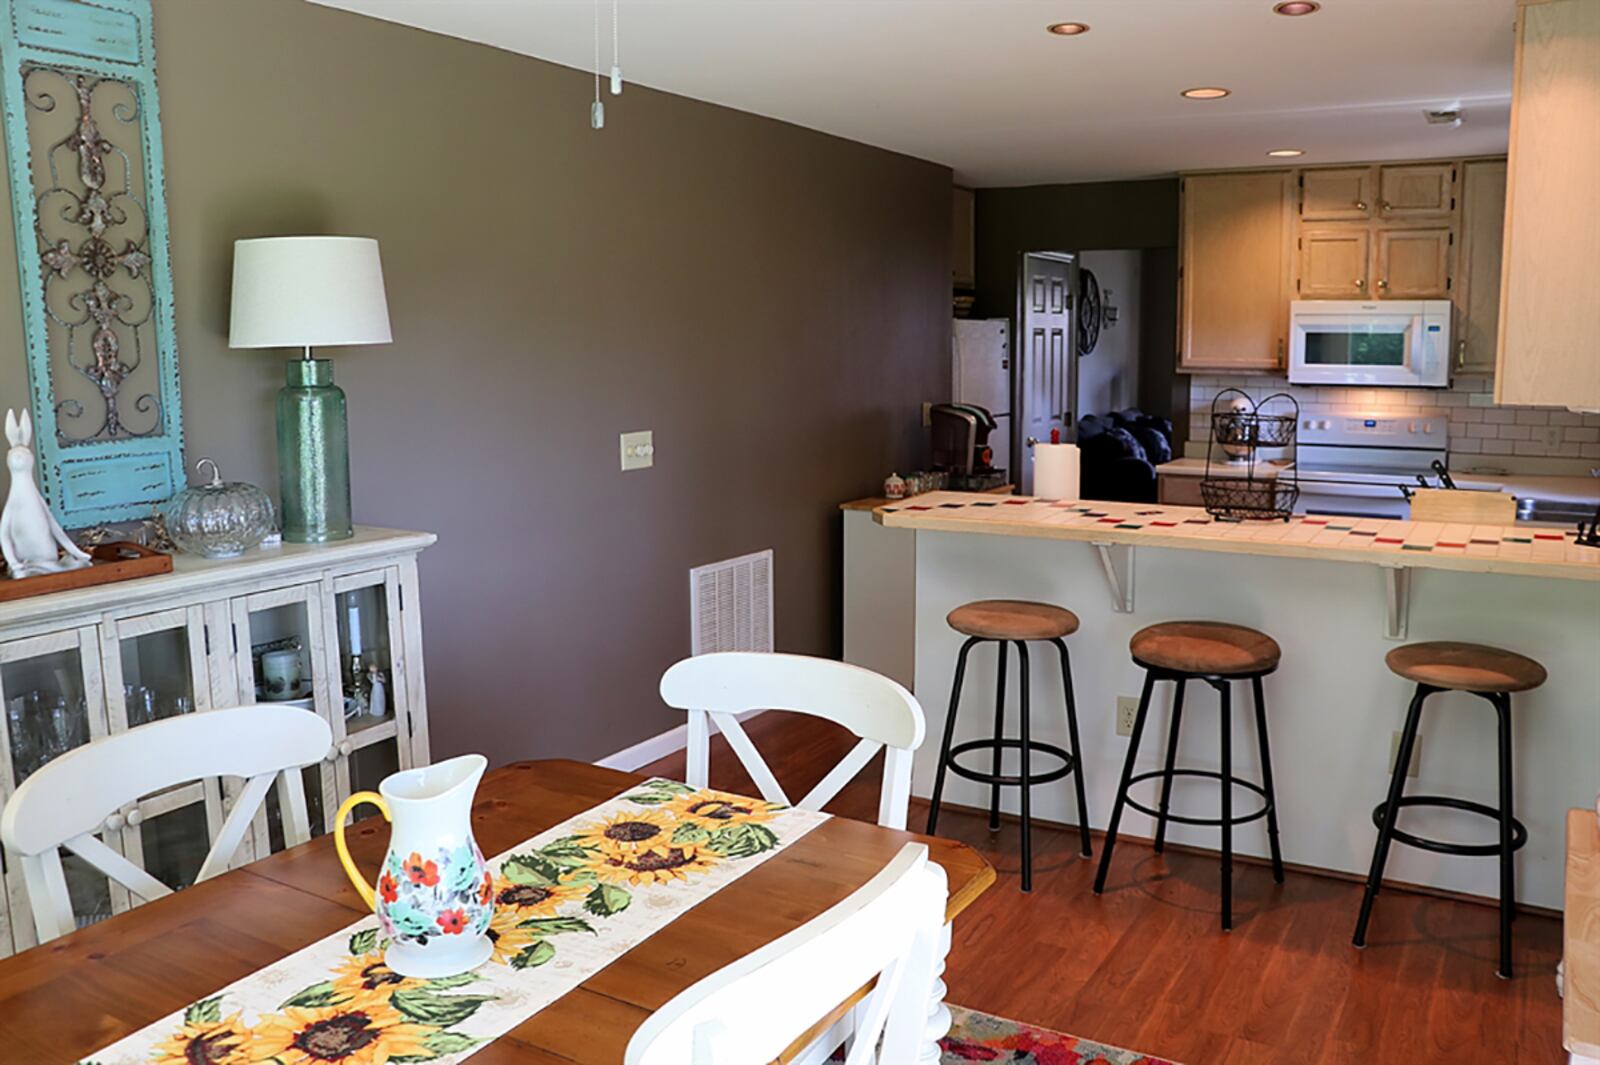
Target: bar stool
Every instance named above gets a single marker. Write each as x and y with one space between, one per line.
1219 654
1016 622
1493 675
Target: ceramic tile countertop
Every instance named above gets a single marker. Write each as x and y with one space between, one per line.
1515 549
874 502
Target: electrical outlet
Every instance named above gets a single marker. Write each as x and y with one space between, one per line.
1548 435
638 450
1127 713
1416 754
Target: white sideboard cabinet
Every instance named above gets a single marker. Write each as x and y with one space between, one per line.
75 666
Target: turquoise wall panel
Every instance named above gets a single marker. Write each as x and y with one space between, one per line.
83 147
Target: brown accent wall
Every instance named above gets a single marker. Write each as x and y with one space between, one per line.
773 302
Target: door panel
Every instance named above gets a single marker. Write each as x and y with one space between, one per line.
1048 376
1413 263
1333 263
1483 216
1236 245
1337 195
1423 190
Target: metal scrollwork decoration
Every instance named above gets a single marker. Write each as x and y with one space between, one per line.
1089 311
84 153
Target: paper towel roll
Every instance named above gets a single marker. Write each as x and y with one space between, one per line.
1055 471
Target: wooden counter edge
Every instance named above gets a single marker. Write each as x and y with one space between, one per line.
1580 1004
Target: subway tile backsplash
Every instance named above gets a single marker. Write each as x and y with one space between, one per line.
1475 427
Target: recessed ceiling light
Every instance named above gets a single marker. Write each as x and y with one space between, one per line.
1206 93
1286 153
1067 29
1297 7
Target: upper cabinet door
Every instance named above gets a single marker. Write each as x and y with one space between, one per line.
1338 194
1333 262
1413 264
1418 190
1549 302
1235 260
1477 289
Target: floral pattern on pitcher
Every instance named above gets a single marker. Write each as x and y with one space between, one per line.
450 894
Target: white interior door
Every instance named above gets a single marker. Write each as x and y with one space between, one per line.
1046 371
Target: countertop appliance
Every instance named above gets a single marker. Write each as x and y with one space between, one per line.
961 446
980 371
1364 466
1370 343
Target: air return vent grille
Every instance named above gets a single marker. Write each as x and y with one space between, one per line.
730 605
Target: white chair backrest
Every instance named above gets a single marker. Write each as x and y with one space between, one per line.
64 803
753 1009
718 687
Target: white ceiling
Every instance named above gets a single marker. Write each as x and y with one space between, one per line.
979 85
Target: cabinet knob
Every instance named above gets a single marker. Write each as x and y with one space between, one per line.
114 823
1361 282
345 748
135 817
1384 205
332 755
1383 284
1361 205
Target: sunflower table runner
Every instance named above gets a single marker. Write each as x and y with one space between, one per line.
568 902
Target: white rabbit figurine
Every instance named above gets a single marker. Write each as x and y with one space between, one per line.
30 537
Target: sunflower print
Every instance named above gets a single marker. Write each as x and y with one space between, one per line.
362 1031
627 833
523 901
366 974
222 1042
717 809
508 937
673 863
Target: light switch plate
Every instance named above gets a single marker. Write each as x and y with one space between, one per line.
638 450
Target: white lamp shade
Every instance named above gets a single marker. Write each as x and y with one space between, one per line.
294 292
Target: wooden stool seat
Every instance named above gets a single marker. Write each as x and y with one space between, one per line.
1205 648
1466 667
1012 619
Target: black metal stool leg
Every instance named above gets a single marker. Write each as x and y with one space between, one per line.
1508 882
1077 749
999 733
949 734
1391 811
1026 771
1122 788
1266 780
1172 758
1225 693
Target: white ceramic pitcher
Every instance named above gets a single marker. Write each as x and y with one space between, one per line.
434 894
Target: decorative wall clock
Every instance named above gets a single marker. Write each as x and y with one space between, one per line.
1089 311
83 147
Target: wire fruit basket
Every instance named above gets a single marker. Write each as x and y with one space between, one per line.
1242 489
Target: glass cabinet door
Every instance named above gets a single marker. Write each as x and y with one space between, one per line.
374 722
282 658
155 668
54 701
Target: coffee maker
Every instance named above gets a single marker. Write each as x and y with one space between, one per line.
961 446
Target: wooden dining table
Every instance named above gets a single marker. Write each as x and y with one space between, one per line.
74 995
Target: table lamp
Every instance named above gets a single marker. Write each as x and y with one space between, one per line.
306 292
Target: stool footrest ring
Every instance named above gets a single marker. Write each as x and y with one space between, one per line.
1068 762
1519 833
1209 774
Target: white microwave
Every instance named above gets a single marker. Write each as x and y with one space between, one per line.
1384 343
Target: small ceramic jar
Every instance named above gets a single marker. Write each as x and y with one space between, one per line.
894 487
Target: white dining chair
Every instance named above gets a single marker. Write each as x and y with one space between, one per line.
755 1008
64 803
719 687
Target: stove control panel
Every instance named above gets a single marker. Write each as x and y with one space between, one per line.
1377 431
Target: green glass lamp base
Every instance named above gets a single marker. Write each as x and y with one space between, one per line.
313 455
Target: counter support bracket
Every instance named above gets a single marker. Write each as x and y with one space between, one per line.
1117 562
1397 601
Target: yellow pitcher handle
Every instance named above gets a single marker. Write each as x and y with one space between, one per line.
363 888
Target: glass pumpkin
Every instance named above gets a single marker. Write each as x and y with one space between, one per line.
221 519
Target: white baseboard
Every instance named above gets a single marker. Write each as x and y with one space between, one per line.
641 754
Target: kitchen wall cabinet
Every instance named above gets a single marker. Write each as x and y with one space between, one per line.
1412 264
1337 194
1549 301
76 666
1235 262
1477 289
1334 262
1416 191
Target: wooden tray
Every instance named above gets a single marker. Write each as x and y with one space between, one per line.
121 560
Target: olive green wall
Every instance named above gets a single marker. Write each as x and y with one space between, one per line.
772 302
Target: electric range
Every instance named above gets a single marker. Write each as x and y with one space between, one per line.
1364 466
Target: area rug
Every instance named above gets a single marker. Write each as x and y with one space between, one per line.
982 1037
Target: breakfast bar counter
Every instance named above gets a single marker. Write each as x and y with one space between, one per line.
1336 593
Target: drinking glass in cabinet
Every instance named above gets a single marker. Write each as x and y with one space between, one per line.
158 681
365 657
46 714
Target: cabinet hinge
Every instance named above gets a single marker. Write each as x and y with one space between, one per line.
235 632
402 598
205 630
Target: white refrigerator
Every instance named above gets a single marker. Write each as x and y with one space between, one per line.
980 370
